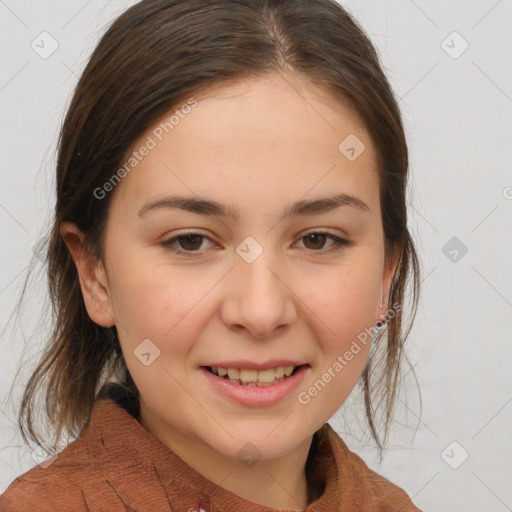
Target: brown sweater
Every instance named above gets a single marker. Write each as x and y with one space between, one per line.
117 465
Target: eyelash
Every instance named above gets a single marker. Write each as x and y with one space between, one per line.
339 243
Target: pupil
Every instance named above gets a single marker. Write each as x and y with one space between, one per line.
315 236
187 239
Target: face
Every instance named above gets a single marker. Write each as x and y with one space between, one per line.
189 289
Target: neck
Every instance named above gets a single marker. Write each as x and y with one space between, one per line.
274 483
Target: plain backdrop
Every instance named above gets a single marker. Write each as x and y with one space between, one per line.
450 65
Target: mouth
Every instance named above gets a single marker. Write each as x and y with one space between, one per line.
251 377
254 388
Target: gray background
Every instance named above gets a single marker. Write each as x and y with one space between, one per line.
457 109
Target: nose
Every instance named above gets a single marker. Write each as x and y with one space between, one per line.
258 299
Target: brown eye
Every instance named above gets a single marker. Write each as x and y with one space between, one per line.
192 242
315 241
188 243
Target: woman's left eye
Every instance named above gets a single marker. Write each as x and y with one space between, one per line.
319 237
193 241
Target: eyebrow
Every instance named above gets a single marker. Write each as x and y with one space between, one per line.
204 206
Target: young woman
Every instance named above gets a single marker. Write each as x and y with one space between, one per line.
229 257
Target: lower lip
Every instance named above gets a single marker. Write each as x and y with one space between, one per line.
255 396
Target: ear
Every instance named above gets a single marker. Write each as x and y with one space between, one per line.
387 279
92 275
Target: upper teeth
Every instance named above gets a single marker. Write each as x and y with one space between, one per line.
249 375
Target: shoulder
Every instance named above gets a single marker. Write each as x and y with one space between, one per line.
43 489
70 482
368 490
384 494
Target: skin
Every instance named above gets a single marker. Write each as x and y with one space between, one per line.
257 145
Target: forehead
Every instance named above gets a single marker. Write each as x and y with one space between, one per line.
276 135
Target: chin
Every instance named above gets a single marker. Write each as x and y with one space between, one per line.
258 444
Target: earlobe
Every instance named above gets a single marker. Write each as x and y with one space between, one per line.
91 275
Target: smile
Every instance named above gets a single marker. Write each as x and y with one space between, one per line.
254 393
251 377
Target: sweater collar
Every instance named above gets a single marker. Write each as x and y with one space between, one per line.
122 442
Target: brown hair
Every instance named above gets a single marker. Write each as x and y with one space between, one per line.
155 55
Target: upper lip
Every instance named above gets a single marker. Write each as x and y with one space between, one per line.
274 363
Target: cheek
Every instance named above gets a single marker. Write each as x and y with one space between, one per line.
152 299
157 309
156 305
345 298
159 302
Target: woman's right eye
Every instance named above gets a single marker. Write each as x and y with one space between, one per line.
191 240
